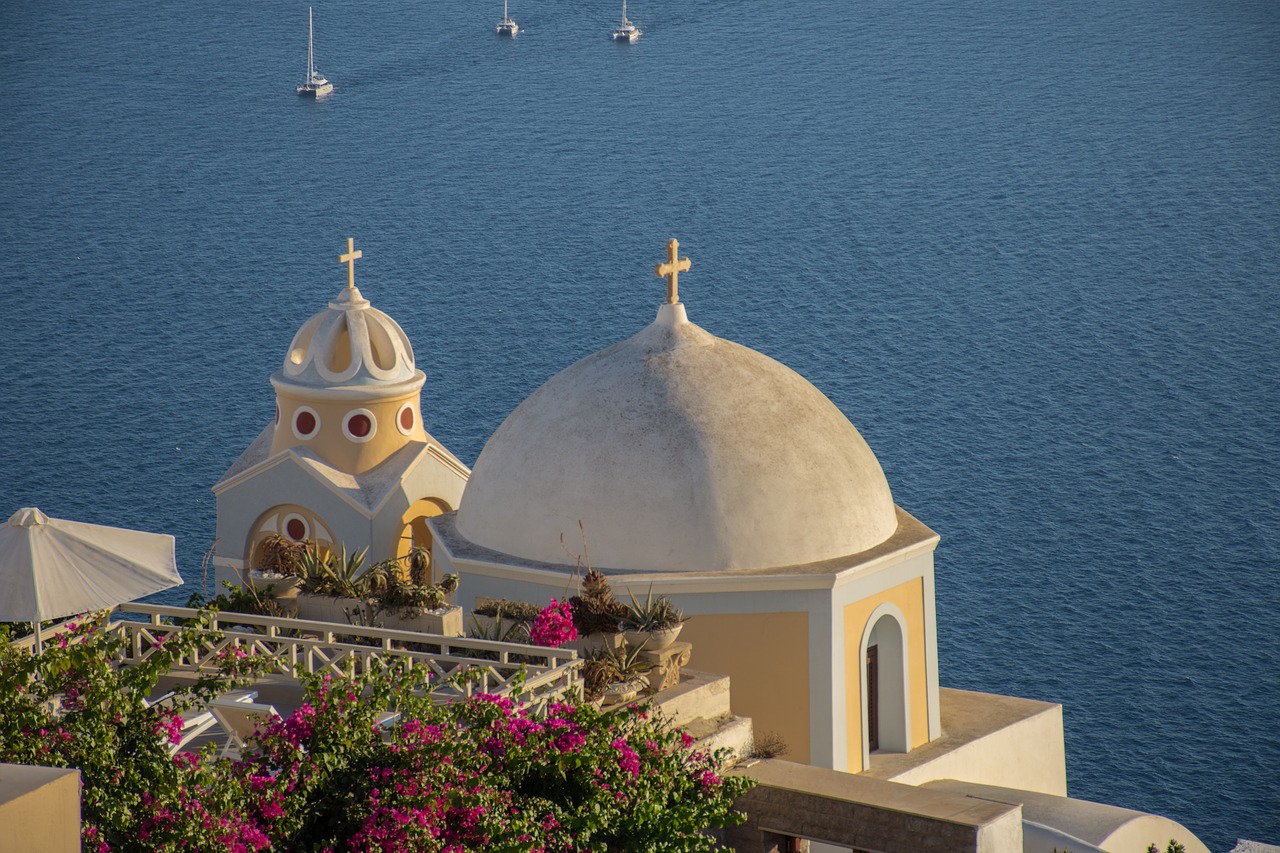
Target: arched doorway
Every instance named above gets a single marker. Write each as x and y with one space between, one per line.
886 724
414 532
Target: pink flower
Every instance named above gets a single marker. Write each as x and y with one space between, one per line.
554 625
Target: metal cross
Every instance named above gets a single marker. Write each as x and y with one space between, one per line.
671 270
350 260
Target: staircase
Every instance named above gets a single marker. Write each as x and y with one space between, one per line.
699 705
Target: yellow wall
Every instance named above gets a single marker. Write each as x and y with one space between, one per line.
333 445
766 656
909 598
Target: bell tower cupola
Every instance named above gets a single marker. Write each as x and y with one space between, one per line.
348 389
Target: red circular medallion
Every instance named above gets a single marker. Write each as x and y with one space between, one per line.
305 423
359 425
406 417
296 529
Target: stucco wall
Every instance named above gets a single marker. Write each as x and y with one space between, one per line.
766 656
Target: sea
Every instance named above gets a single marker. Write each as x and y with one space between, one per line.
1030 247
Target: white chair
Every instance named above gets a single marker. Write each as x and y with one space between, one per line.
197 721
239 720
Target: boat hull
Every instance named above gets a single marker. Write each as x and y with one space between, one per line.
309 91
508 28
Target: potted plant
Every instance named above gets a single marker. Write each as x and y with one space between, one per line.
654 624
612 676
397 601
487 612
278 567
596 613
333 587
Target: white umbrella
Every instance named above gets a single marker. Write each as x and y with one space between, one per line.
50 568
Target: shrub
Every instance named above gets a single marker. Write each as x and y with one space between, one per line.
479 774
519 611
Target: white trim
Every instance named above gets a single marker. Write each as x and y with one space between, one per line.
293 423
346 425
282 525
400 412
892 611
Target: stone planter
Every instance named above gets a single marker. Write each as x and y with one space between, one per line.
284 589
446 622
621 691
282 586
653 640
598 642
328 608
486 625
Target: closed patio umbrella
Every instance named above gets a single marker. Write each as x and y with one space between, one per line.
51 568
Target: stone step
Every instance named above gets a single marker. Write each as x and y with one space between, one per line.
728 732
698 696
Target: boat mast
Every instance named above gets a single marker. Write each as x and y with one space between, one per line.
311 65
624 13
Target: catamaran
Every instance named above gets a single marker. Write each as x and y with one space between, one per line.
315 86
626 31
507 27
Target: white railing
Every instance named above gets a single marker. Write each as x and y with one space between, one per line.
460 666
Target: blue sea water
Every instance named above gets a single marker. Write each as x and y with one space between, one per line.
1030 247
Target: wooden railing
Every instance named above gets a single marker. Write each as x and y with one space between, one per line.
460 666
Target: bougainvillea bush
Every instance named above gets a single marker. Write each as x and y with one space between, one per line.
476 775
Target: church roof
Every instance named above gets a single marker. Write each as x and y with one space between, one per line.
678 452
367 492
349 345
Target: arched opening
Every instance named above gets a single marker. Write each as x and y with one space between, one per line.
414 532
291 521
886 724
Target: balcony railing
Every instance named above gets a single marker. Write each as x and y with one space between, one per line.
461 666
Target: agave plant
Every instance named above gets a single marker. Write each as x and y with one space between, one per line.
336 573
655 614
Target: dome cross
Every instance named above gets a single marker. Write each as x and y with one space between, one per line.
350 260
671 270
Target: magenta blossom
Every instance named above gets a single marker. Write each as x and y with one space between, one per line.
554 625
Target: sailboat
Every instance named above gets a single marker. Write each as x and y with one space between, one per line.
507 27
315 85
626 31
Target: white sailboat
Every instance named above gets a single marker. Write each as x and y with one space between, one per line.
507 27
626 31
315 85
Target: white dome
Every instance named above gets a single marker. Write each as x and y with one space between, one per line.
678 451
348 344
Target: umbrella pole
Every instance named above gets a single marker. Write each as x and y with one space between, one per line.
39 644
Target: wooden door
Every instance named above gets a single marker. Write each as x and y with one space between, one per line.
873 698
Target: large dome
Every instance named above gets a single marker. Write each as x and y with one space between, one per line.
678 451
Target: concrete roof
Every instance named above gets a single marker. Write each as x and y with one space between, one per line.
349 344
678 452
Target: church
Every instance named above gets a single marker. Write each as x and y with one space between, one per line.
680 464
